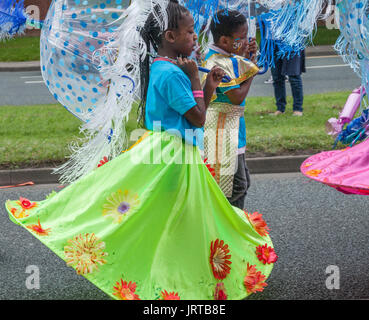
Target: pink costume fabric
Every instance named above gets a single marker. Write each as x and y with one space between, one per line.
346 170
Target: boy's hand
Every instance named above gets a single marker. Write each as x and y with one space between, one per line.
252 49
189 67
253 46
214 77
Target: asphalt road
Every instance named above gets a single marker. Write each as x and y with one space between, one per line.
312 227
324 74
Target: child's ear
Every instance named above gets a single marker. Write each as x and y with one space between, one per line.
169 36
224 41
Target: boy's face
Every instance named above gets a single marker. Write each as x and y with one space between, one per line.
237 43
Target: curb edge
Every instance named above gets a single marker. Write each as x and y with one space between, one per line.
280 164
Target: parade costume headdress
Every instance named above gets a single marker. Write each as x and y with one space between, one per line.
103 55
12 18
118 64
290 23
347 170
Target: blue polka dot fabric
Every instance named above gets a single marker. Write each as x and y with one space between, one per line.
353 43
354 25
73 33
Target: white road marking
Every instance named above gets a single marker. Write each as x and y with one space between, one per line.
29 82
30 77
328 66
321 57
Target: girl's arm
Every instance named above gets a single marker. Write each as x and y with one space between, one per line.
197 115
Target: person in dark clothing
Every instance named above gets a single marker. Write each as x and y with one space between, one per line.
293 68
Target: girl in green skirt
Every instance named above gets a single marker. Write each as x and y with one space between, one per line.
152 223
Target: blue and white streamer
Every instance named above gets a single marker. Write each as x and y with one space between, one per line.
13 18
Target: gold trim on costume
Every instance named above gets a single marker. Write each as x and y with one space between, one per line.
221 142
144 136
246 68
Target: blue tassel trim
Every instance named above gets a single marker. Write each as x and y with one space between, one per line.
12 18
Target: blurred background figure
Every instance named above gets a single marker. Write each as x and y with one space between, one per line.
292 68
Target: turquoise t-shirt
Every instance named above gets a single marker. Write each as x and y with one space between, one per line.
169 97
222 97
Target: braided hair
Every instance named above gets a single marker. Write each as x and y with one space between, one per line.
152 34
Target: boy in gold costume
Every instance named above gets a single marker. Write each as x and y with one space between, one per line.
225 128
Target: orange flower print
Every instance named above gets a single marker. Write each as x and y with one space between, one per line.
38 229
22 214
85 253
26 204
220 293
219 259
258 223
254 280
18 214
125 291
169 296
266 254
313 173
308 164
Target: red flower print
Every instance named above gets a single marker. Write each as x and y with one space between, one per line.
169 296
38 229
266 254
258 223
102 162
220 293
125 291
212 171
254 280
219 259
26 204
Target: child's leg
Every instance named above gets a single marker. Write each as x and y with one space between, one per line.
241 183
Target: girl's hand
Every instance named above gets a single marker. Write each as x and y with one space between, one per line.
189 67
214 77
199 55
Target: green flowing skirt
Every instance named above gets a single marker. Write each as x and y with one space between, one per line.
153 224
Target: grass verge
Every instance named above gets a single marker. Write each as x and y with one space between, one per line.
288 135
20 49
37 136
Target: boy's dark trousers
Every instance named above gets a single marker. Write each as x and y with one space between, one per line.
241 183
